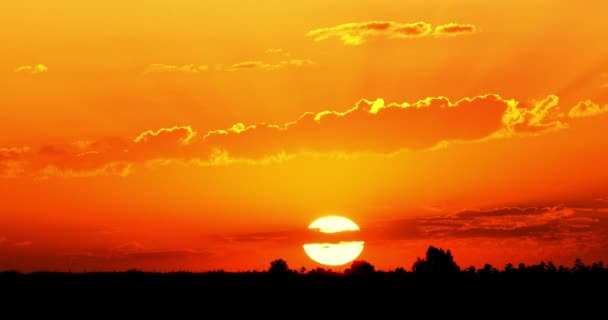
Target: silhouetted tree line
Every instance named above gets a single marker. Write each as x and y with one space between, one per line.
435 278
438 261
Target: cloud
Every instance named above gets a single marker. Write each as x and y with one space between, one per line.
115 168
357 33
10 161
135 253
453 29
297 62
105 259
541 116
188 68
294 235
256 64
278 51
219 158
272 236
12 152
242 65
370 127
547 223
587 108
180 134
39 68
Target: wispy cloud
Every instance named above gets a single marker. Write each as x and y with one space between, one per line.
539 116
278 51
32 69
547 223
587 108
255 64
454 29
261 65
357 33
188 68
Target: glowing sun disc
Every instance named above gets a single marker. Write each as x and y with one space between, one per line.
334 254
332 224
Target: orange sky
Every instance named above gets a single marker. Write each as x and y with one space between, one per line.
205 135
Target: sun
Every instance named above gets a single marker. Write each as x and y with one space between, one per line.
334 254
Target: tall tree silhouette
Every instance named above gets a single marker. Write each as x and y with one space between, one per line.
278 266
436 261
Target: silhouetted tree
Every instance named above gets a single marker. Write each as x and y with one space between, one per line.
278 266
318 270
597 266
360 267
400 270
436 261
488 270
579 266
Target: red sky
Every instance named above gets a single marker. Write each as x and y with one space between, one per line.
205 135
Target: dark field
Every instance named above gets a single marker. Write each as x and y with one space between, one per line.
514 293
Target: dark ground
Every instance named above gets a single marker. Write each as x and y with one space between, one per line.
378 295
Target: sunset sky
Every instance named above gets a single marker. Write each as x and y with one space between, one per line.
208 134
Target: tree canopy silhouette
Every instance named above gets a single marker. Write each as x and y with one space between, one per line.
436 261
278 266
360 267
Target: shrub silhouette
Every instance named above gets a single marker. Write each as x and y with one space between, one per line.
360 267
436 261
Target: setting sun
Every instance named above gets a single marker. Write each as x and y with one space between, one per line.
334 254
332 224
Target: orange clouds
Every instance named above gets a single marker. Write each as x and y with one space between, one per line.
587 108
452 29
356 33
11 152
10 164
542 115
188 68
243 65
368 127
546 222
256 64
171 134
503 235
35 69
